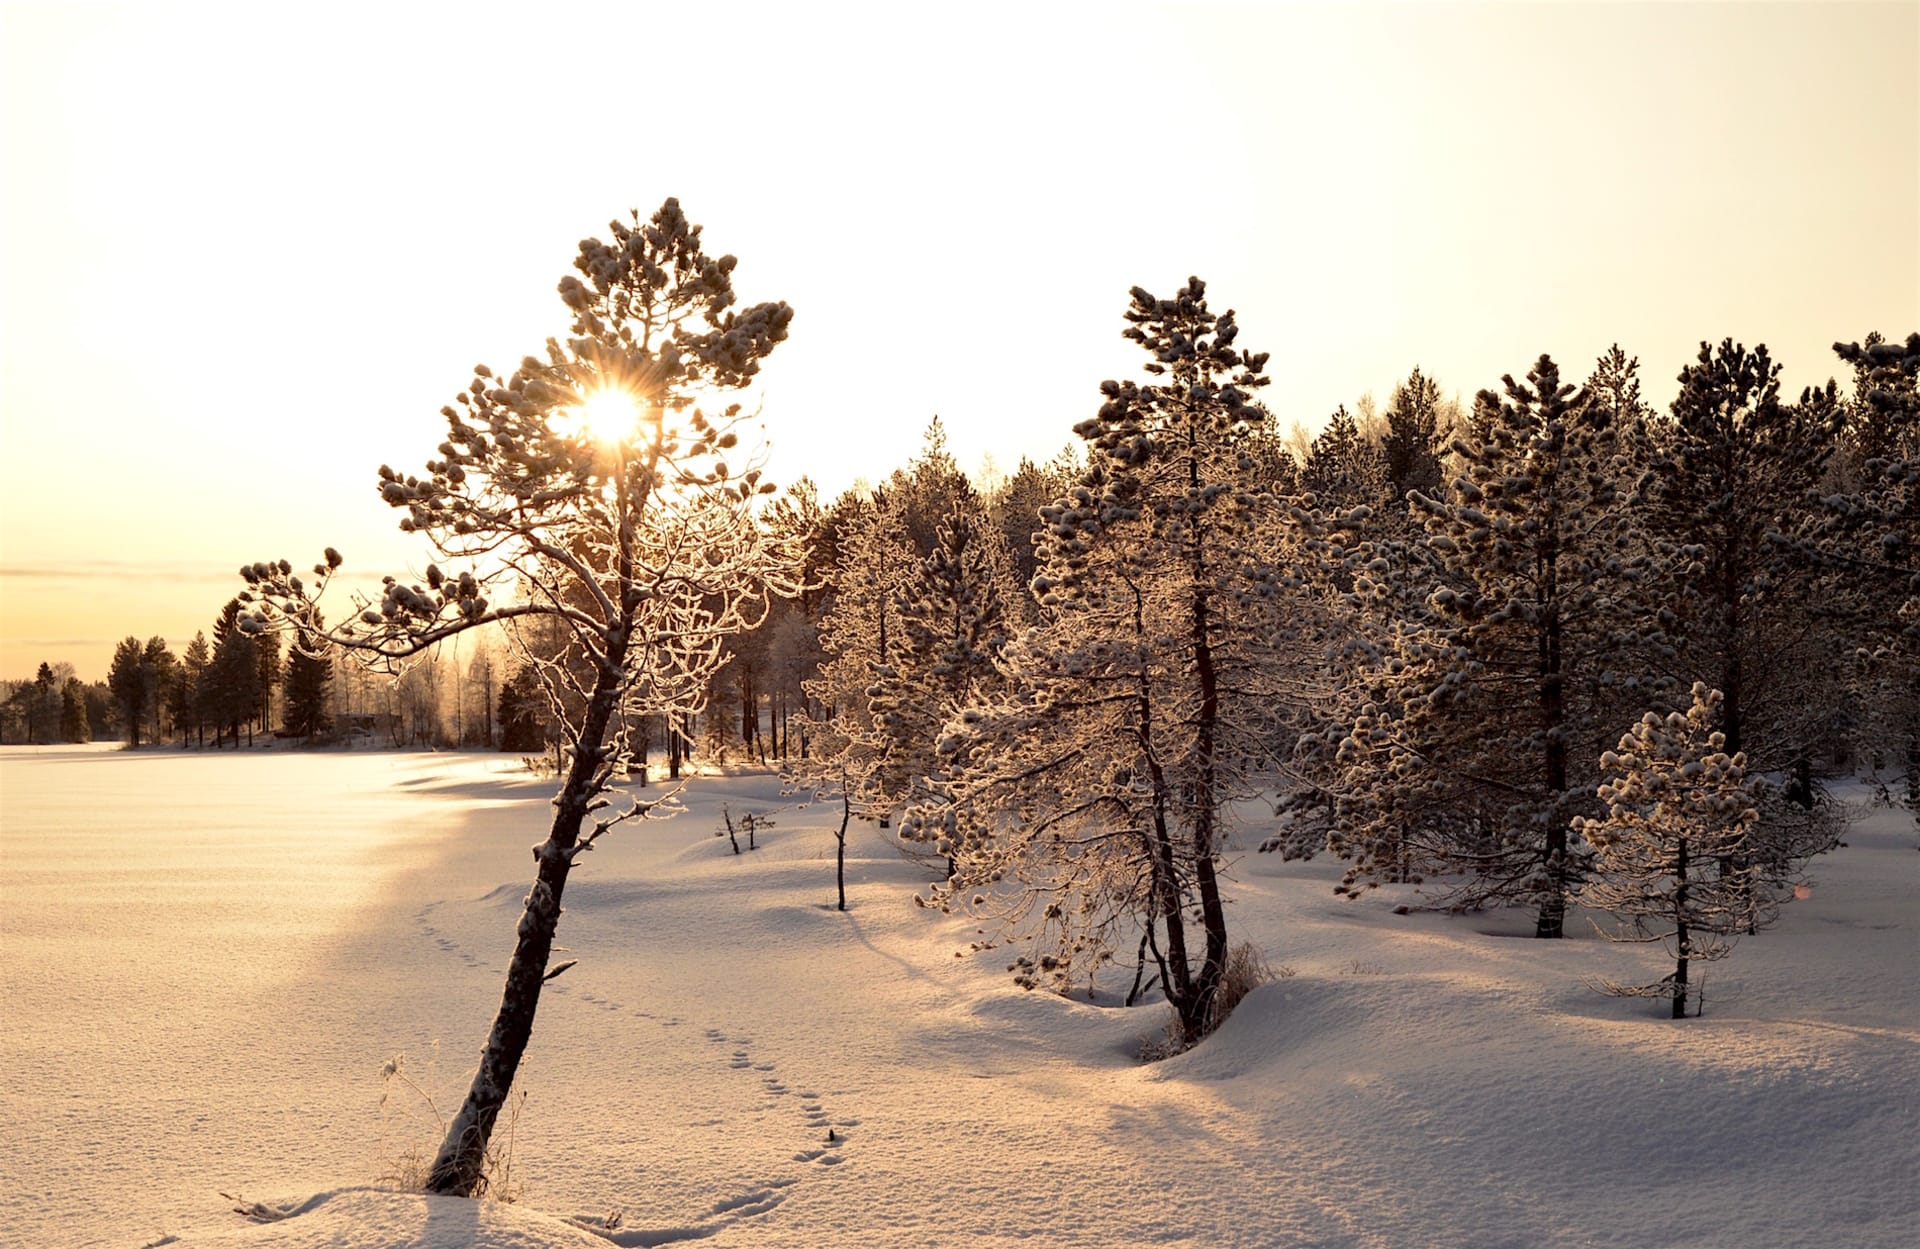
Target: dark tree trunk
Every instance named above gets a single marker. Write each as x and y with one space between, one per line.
1176 980
460 1167
840 849
1213 911
1683 939
1551 920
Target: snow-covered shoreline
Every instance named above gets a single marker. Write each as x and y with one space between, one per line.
207 959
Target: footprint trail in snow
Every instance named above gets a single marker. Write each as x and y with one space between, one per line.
830 1133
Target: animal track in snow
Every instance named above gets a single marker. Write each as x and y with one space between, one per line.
814 1120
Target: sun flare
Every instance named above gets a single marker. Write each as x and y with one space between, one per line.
607 416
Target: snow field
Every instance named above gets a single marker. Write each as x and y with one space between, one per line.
1418 1080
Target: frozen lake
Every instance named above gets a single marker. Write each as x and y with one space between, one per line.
189 958
205 960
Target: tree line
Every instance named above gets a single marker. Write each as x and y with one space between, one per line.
1419 636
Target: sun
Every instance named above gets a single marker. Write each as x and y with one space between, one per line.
608 416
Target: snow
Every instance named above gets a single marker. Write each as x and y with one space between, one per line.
206 960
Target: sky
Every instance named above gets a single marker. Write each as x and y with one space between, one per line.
247 252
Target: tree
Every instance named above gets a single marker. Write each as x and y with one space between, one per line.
1733 469
186 700
127 678
1502 690
952 626
267 672
230 692
1410 451
1676 803
1341 469
73 712
929 488
1016 510
1614 384
158 660
1143 704
598 478
1868 534
523 713
859 640
309 676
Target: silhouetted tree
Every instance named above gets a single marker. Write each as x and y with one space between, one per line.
308 681
73 712
127 678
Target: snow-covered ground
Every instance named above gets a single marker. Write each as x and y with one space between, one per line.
205 961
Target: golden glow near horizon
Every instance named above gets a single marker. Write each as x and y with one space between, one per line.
249 251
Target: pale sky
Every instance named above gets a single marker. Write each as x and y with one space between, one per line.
248 252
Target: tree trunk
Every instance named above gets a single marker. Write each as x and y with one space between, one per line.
1551 920
840 850
1683 939
460 1167
1213 912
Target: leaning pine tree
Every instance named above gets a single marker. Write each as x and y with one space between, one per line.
1677 806
594 480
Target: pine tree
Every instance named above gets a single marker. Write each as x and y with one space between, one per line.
1868 535
1678 809
1733 469
523 713
1016 511
928 490
157 658
43 708
1342 471
309 675
859 637
1614 385
1410 452
267 673
230 694
74 726
1495 681
186 701
952 626
601 480
127 678
1099 785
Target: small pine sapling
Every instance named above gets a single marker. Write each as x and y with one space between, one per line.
1673 858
